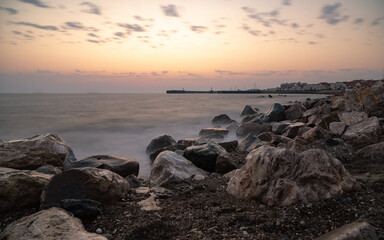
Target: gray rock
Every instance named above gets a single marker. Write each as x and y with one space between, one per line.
120 165
279 127
295 111
352 118
374 152
212 131
160 142
352 231
230 146
31 153
171 167
232 128
204 156
225 164
292 130
364 133
222 119
248 110
249 143
48 169
277 176
85 209
337 127
275 113
253 127
51 224
134 181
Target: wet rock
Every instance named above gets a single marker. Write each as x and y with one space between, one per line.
48 169
171 167
352 231
160 142
275 113
204 156
225 164
337 127
20 188
187 141
31 153
364 133
86 209
84 183
248 110
232 128
253 127
120 165
54 223
212 131
374 152
277 176
230 146
352 118
249 143
295 111
222 119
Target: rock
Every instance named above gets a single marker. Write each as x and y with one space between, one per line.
31 153
275 113
277 176
338 103
171 167
374 152
134 182
160 142
51 224
230 146
266 136
48 169
279 127
212 131
248 110
20 188
86 209
225 164
249 143
232 128
99 231
352 231
292 130
120 165
337 127
369 100
84 183
327 119
204 156
253 127
155 153
364 133
187 142
315 134
295 111
352 118
222 119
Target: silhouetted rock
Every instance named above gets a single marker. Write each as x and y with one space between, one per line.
253 127
295 111
275 113
82 208
212 131
48 169
225 164
222 119
229 146
374 152
292 130
160 142
248 110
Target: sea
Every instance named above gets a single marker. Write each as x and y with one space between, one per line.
123 124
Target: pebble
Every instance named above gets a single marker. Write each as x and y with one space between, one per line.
99 231
262 206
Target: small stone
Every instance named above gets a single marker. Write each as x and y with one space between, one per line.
302 223
99 231
245 232
262 206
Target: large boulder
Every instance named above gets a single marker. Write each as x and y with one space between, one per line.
364 133
249 143
120 165
248 110
204 156
84 183
21 188
337 127
51 224
295 111
352 118
222 119
31 153
160 142
212 131
173 148
275 113
225 164
369 100
292 130
171 167
374 152
253 127
278 176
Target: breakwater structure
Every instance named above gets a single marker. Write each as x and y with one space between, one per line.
250 91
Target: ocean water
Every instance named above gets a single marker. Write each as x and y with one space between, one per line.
121 124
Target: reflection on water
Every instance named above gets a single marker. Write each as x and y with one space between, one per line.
120 124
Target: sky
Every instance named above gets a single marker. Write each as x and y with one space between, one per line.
152 45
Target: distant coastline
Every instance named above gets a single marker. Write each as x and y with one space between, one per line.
255 91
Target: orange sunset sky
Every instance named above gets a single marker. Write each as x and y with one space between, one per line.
151 45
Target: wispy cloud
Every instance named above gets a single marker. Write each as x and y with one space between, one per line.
267 19
119 34
224 72
139 18
287 2
51 28
264 73
332 14
75 25
46 72
312 43
358 21
36 3
132 27
92 8
9 10
377 21
170 10
93 35
199 29
294 25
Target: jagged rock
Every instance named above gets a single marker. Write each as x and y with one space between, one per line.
212 131
204 156
327 119
248 110
278 176
160 142
275 113
171 167
230 146
187 141
266 136
338 103
352 118
120 165
222 119
295 111
279 127
20 188
337 127
225 164
364 133
134 181
48 169
232 128
31 153
249 143
292 130
352 231
369 100
173 148
82 208
84 183
374 152
314 134
51 224
253 127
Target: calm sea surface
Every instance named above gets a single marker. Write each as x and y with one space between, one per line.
121 124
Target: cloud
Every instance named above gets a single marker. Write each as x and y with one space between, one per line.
139 18
155 74
16 32
170 10
358 21
46 72
37 3
51 28
93 35
248 9
10 10
332 15
132 27
119 34
320 35
377 21
223 72
193 75
93 41
92 8
267 19
312 43
264 73
164 72
199 29
75 25
287 2
294 25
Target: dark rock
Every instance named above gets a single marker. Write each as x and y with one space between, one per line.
82 208
248 110
213 131
352 231
134 181
364 133
292 130
337 127
232 128
374 152
160 142
275 113
224 164
249 143
222 119
230 146
172 148
48 169
252 127
187 142
295 111
328 119
120 165
279 127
